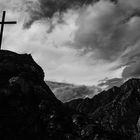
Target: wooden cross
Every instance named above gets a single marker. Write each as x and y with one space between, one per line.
3 22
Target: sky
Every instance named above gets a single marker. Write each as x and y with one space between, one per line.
90 42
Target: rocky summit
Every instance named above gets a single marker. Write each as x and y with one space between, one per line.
29 109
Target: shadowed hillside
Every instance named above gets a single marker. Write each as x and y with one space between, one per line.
30 110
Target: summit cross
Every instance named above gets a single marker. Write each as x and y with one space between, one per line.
3 22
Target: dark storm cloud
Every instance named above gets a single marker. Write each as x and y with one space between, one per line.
129 59
46 9
32 8
132 59
107 29
132 71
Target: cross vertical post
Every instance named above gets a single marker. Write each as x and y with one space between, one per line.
3 22
2 27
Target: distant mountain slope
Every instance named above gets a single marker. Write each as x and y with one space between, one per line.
116 111
66 92
90 105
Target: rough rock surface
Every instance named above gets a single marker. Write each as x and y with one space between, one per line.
29 110
116 111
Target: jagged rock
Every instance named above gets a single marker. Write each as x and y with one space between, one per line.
28 108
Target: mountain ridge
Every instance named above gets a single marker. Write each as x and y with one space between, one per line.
118 111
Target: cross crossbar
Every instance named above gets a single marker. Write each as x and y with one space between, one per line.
9 22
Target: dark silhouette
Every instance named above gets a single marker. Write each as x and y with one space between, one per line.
29 109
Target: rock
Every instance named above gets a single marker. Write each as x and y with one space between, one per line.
28 108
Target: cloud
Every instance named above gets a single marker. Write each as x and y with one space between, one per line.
106 30
130 4
47 9
58 61
132 59
82 42
109 83
132 71
66 92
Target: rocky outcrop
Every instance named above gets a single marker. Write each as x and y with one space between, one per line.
28 108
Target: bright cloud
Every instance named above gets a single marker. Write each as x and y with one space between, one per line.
83 45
